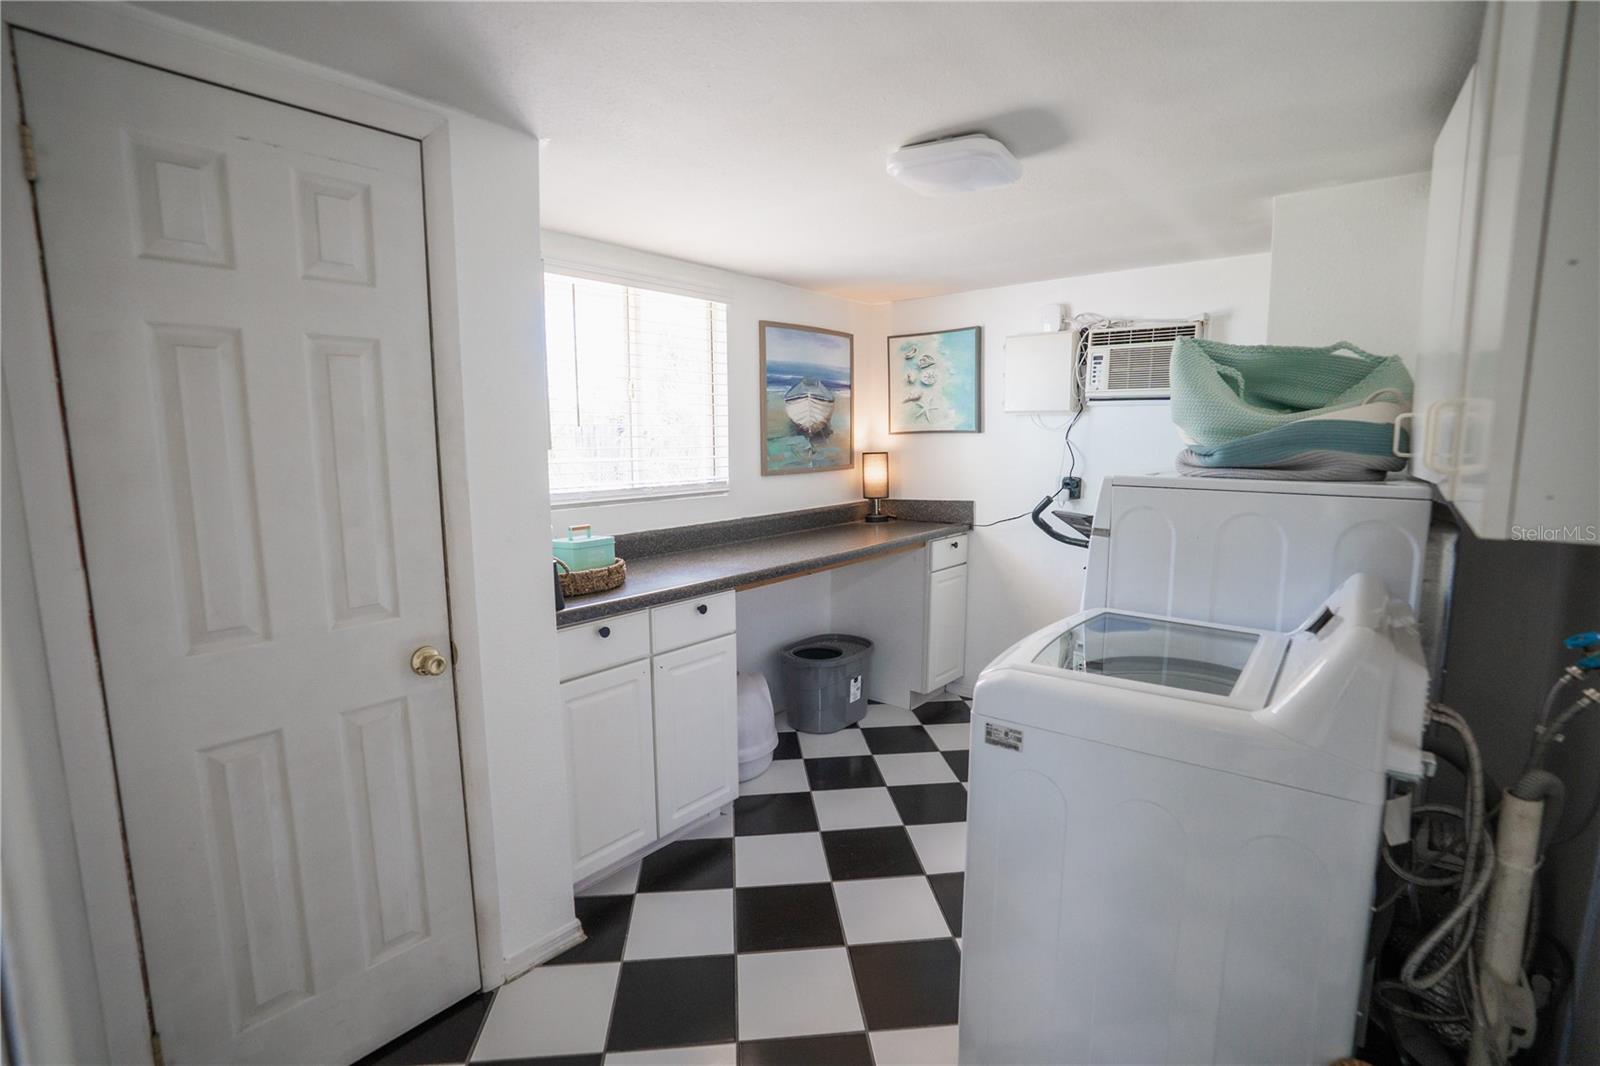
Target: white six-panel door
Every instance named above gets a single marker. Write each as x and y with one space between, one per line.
240 302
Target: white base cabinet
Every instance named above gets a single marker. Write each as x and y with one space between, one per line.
611 749
947 627
652 739
913 607
696 732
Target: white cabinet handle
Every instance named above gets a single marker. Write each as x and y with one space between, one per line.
1404 418
1430 453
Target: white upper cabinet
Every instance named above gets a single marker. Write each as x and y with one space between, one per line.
1509 368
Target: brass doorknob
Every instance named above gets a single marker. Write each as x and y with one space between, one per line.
427 662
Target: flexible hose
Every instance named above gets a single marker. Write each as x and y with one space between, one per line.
1477 869
1543 785
1547 735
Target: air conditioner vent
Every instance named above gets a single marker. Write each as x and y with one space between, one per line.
1132 360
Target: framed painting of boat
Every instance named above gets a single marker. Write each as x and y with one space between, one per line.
807 399
936 382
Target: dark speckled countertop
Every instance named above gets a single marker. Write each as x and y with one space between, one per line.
729 562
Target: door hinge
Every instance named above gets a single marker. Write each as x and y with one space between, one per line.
30 162
155 1044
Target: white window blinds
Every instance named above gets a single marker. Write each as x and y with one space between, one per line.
638 390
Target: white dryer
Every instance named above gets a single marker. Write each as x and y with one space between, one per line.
1174 817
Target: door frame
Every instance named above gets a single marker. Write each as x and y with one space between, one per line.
50 508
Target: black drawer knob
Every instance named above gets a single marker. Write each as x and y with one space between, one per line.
702 608
604 631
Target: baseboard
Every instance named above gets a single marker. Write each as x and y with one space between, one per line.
568 935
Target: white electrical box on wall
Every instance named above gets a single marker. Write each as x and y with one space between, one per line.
1041 372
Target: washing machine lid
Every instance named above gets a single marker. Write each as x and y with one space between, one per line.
1202 661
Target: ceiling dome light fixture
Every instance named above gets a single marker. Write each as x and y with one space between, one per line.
966 163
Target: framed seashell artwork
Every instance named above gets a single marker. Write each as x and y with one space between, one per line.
936 382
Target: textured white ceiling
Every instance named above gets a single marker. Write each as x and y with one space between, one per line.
752 136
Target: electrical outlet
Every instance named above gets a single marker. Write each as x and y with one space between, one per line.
1073 487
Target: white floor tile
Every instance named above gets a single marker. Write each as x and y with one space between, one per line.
704 1055
889 908
916 768
942 847
779 859
953 736
720 827
784 775
936 1046
622 883
828 745
550 1010
854 808
881 714
797 993
671 924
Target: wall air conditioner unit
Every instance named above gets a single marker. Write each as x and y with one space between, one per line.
1133 360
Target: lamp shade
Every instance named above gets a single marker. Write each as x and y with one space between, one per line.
874 475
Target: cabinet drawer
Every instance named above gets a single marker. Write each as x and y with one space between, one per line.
951 551
677 625
583 649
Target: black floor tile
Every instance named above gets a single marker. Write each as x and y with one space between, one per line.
783 812
958 762
885 851
784 917
674 1003
685 865
925 804
845 771
895 739
840 1049
788 746
446 1037
947 889
943 712
910 983
546 1060
605 928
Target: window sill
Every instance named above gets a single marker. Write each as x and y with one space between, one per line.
570 502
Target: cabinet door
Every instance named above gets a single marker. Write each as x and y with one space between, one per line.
1442 330
611 757
697 732
947 627
1519 72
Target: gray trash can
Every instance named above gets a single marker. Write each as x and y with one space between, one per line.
825 681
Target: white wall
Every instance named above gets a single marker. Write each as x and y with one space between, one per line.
57 1010
490 339
750 300
1347 265
1020 579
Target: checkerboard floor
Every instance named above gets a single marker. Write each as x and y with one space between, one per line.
818 924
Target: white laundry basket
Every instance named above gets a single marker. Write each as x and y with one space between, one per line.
758 729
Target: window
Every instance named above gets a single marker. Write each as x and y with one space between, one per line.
638 391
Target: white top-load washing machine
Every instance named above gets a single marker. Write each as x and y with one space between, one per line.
1176 797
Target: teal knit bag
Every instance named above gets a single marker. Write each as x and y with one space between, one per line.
1224 392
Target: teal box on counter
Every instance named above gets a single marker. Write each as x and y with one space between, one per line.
580 549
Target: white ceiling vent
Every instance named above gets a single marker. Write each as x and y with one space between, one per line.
1133 360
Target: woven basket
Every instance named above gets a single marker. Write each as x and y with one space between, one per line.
588 582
